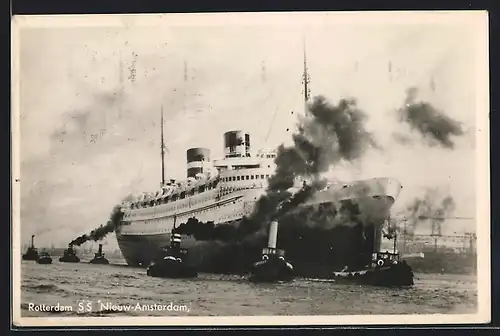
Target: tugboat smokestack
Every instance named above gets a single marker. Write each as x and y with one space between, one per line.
273 235
99 257
31 252
273 266
176 239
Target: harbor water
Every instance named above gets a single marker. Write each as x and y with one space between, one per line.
83 289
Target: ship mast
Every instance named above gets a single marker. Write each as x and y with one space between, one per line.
162 145
120 75
306 80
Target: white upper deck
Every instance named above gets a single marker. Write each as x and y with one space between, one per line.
238 169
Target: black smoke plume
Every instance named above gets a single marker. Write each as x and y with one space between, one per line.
316 240
115 221
431 123
433 205
325 137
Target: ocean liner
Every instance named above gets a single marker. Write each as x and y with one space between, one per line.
226 190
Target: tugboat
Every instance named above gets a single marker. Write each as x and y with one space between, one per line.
44 258
171 262
99 257
273 267
69 255
31 252
386 270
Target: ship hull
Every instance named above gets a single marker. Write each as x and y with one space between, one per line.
139 250
327 244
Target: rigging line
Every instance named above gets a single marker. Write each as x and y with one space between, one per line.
306 82
271 125
267 98
162 146
270 94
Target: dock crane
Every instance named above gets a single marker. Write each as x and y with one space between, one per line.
436 229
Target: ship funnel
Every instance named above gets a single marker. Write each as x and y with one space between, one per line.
236 144
273 235
197 160
100 249
33 241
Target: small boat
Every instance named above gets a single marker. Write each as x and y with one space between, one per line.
171 267
44 258
385 270
69 255
171 263
273 267
31 253
99 257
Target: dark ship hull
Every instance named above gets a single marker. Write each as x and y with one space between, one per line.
171 268
69 256
44 260
99 261
31 253
69 260
328 246
99 258
141 249
171 262
386 269
272 270
31 256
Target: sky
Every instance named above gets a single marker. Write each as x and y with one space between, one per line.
90 100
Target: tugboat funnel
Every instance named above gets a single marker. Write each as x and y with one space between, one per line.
273 235
100 249
33 241
176 239
273 266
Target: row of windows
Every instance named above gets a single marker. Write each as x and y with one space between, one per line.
175 197
195 212
238 215
245 177
192 192
227 191
185 205
267 156
223 192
